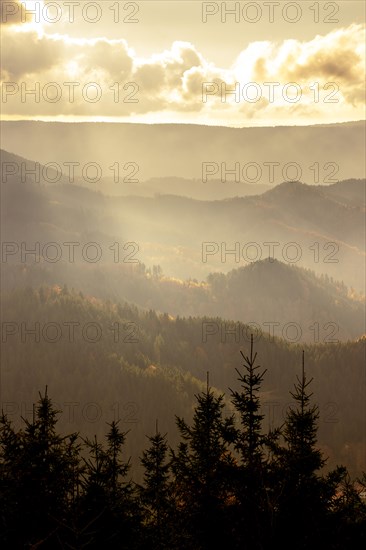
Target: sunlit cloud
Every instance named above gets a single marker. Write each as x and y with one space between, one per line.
173 79
22 15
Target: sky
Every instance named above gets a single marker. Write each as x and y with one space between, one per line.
223 63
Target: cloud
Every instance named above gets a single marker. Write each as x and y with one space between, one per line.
112 57
151 76
18 12
172 80
27 53
337 57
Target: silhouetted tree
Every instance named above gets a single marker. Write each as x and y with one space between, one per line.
347 524
39 473
225 486
253 514
304 493
157 495
201 468
108 504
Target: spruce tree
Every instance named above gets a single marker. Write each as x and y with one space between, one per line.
249 439
10 449
348 513
303 492
157 495
109 512
39 474
251 476
201 467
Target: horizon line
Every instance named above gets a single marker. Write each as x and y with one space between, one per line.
282 125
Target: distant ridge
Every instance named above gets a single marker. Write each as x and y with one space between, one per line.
165 150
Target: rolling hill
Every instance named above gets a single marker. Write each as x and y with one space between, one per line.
311 226
104 360
334 151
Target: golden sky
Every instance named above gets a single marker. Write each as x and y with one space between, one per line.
265 63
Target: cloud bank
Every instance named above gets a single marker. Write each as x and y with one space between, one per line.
268 80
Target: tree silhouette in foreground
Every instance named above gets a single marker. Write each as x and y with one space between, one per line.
253 510
156 494
108 502
227 484
305 496
38 469
201 467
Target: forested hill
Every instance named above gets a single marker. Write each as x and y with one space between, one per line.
102 359
263 292
170 230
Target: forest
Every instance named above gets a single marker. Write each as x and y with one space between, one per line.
228 483
105 360
125 423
